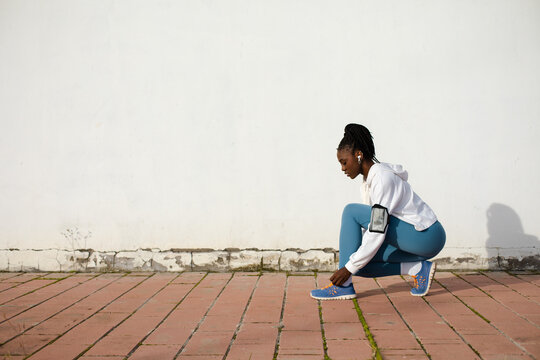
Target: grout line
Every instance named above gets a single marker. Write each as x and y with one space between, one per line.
80 322
49 298
376 352
325 345
403 319
166 316
11 277
509 308
129 316
450 325
523 277
280 327
241 318
502 332
17 284
524 296
463 302
30 291
203 318
481 316
56 313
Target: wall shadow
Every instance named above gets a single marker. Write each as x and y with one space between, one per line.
508 247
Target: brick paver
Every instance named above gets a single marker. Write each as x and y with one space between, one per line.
196 316
29 300
522 337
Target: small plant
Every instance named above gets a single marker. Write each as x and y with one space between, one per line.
75 238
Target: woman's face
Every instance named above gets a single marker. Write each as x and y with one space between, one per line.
349 162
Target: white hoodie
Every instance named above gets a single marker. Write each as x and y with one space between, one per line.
387 186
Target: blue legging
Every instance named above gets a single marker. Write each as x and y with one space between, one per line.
403 243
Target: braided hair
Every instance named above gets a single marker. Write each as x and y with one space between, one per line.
358 137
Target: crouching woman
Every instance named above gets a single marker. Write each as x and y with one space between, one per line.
396 234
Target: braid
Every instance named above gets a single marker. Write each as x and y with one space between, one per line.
358 137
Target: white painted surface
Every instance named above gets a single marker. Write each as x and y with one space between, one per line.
206 124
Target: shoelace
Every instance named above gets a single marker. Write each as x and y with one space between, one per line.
326 287
416 282
332 291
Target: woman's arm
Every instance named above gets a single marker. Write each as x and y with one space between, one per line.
384 191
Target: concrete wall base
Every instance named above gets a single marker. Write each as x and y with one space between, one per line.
88 260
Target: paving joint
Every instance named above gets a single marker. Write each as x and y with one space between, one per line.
489 322
11 277
47 299
80 322
57 279
26 293
166 316
280 327
369 335
503 304
463 302
127 317
451 327
203 318
63 309
514 290
521 277
503 284
325 345
403 319
242 318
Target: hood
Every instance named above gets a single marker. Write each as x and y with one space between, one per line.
396 169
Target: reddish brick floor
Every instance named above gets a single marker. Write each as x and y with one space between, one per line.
199 316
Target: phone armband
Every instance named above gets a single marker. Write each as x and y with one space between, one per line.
379 219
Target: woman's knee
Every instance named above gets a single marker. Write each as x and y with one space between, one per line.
349 209
437 249
356 211
439 240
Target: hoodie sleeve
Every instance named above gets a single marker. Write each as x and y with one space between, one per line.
383 192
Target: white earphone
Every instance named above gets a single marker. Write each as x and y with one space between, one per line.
359 159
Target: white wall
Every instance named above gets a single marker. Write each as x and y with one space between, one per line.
190 124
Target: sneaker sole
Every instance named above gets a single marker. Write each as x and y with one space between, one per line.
341 297
431 274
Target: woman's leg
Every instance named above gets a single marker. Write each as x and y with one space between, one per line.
355 218
403 243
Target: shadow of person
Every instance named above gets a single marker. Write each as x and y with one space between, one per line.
508 247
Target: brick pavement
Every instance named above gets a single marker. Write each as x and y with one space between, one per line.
198 316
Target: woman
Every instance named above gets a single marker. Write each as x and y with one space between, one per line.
395 235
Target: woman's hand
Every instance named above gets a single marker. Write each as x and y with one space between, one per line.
340 276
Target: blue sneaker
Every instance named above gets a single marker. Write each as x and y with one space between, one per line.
422 280
334 292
